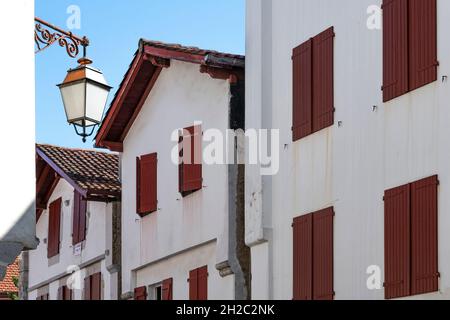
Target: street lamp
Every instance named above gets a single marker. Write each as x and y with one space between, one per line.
84 91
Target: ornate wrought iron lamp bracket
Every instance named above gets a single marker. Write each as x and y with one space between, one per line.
46 34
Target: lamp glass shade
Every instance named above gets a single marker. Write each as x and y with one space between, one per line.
74 97
84 93
96 97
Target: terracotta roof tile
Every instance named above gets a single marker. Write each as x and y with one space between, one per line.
7 285
191 50
93 171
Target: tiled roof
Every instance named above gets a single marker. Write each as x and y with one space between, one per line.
190 50
91 170
121 114
7 285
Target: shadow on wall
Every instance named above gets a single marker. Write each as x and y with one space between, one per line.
22 236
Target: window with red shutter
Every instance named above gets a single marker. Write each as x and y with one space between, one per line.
190 169
138 185
411 239
422 42
54 226
96 286
323 102
409 46
397 242
67 293
140 293
302 229
193 284
302 90
167 289
313 85
198 284
203 283
313 256
424 232
64 293
79 218
93 287
323 255
395 48
147 202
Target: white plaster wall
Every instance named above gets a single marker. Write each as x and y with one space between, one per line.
181 96
95 245
351 166
178 268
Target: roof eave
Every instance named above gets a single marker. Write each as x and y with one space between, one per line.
225 67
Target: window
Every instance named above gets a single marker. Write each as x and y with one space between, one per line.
313 92
79 218
93 287
198 284
190 168
313 256
64 293
54 227
43 297
409 46
146 184
160 291
410 220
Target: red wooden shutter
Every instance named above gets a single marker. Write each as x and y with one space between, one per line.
68 294
79 218
395 48
167 289
54 228
302 277
192 157
96 286
203 283
140 293
87 288
323 255
193 284
397 242
323 91
424 232
302 91
148 184
138 185
76 218
422 43
180 165
82 223
64 293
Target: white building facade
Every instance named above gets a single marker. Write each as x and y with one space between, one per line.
78 225
182 225
360 206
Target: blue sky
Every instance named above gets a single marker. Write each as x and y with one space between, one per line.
114 28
